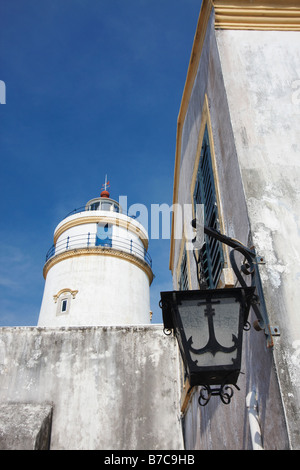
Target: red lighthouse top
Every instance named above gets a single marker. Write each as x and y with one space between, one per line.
104 192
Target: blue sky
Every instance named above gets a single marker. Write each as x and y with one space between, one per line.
93 87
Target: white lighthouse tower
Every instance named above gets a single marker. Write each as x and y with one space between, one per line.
98 271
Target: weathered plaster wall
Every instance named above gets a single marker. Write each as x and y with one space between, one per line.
219 426
110 387
261 70
25 426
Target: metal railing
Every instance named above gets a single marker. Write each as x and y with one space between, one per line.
92 240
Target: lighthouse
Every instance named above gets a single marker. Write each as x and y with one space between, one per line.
98 271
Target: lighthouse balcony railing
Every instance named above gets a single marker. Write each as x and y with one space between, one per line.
92 240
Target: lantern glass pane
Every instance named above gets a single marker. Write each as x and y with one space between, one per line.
209 327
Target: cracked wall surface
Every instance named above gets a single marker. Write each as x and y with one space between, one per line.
261 75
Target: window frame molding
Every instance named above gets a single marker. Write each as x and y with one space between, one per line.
64 297
180 261
64 294
227 277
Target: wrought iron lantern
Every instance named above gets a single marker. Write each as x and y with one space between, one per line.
208 325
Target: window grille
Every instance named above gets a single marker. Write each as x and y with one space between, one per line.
211 254
183 275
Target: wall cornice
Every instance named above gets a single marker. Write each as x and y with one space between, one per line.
99 251
277 15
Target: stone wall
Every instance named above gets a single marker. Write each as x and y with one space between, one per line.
106 387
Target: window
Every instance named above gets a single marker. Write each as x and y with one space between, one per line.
106 206
183 273
104 235
94 206
103 204
211 255
64 303
63 300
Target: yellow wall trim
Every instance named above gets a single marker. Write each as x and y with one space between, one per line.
188 265
280 15
99 251
65 291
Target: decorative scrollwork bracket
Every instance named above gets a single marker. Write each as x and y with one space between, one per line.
224 391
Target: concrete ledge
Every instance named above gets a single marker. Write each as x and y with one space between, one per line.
25 426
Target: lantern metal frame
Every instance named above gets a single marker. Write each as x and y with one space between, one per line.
206 301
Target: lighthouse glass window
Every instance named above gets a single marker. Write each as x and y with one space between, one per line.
64 304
